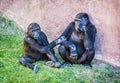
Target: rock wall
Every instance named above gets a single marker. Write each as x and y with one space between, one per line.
54 15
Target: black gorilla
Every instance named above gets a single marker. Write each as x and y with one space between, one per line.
34 43
77 41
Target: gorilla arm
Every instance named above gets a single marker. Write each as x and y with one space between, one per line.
34 45
89 47
65 35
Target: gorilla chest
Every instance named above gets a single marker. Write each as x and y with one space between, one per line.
76 37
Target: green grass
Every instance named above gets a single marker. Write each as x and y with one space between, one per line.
11 49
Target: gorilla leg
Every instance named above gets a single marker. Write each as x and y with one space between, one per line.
52 56
64 53
53 60
90 56
72 48
26 61
86 58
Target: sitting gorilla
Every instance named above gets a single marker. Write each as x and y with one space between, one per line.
77 41
34 42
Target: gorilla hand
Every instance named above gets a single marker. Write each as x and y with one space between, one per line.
73 55
53 64
83 28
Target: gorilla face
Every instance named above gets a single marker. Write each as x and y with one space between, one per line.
34 30
80 24
35 34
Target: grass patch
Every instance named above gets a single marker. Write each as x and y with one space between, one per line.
11 49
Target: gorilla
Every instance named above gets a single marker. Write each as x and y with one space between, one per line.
77 41
34 43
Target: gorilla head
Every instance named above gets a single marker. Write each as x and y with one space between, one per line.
34 30
81 20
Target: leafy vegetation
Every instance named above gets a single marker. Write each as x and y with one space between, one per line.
11 49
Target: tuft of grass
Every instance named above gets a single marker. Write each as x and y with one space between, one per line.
11 49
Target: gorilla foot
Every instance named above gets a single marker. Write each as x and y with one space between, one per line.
53 64
66 64
36 69
89 66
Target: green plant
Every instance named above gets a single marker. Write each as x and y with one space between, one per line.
11 49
